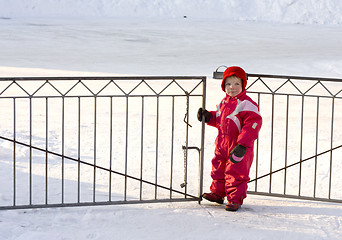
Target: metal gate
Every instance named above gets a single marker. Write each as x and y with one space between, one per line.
299 150
79 141
112 140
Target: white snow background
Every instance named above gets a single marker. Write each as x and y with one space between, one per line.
87 38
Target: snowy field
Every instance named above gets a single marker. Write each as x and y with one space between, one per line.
79 46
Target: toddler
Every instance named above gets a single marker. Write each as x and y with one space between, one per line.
238 121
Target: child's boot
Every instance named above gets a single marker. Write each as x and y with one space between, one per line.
232 206
213 197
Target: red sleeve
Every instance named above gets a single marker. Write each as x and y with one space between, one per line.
212 121
251 124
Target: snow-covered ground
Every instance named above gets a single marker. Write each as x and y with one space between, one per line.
56 38
167 47
284 11
261 218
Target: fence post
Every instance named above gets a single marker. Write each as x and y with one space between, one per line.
200 192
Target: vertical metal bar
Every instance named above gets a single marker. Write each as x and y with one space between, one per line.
46 147
141 145
157 140
286 139
30 164
110 148
172 142
257 157
272 132
63 137
126 150
95 122
186 147
79 152
301 147
14 153
316 147
331 145
200 187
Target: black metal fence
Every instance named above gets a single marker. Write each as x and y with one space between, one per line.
113 140
75 141
299 150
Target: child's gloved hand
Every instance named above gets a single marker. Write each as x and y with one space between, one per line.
202 112
237 154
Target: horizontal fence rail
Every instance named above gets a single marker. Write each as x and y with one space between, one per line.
83 141
299 150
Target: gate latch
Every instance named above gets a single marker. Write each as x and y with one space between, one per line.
182 185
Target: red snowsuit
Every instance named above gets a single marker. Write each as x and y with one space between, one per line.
238 122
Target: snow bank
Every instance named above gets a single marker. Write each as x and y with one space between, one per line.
280 11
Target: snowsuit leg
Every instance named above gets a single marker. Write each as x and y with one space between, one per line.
217 173
237 177
230 179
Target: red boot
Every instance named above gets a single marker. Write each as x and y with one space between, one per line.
213 197
231 206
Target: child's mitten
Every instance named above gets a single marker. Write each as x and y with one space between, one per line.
237 154
202 112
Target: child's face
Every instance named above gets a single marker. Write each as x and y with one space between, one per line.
233 86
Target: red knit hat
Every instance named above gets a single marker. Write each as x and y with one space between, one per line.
236 71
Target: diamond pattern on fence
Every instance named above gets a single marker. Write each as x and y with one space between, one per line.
88 86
